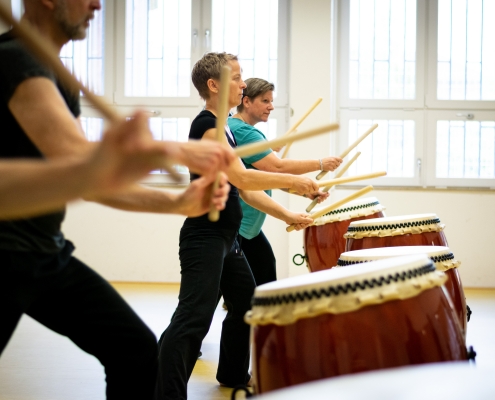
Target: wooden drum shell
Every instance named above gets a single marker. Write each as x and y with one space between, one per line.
409 239
453 284
396 333
324 244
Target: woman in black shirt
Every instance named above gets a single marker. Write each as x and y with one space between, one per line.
210 255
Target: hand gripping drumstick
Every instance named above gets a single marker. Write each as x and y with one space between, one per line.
47 54
347 179
335 205
254 148
222 111
349 149
338 175
296 125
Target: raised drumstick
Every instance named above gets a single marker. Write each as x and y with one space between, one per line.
48 55
222 112
347 179
341 172
349 149
335 205
258 147
296 125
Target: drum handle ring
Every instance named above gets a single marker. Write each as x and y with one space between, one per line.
302 259
471 354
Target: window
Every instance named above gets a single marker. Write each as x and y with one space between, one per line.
425 72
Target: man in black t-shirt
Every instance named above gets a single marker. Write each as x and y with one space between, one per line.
38 275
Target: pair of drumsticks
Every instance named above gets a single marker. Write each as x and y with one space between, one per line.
48 55
327 185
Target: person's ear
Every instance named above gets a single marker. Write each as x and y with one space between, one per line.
246 101
212 85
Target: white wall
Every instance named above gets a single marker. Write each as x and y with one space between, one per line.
136 247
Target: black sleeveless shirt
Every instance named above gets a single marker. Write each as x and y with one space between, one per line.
231 216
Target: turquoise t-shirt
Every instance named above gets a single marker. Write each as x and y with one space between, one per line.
252 219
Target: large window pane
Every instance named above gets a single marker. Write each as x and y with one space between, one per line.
85 58
390 147
170 129
465 149
466 54
158 48
248 29
382 49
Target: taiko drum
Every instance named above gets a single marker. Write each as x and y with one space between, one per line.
383 314
404 230
324 241
442 258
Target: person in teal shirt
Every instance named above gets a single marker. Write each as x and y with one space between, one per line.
256 105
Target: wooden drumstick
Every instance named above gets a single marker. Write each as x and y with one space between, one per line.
349 149
347 179
222 112
48 55
296 125
335 205
341 172
258 147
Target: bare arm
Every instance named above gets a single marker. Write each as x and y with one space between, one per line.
250 179
28 188
272 163
261 201
44 116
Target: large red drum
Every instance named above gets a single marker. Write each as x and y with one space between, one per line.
441 256
324 241
404 230
383 314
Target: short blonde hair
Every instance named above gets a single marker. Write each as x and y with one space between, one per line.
255 87
209 67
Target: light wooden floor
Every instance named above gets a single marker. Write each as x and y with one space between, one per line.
41 365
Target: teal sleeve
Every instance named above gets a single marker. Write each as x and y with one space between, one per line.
245 134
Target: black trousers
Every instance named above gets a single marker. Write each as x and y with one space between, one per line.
211 260
68 297
260 257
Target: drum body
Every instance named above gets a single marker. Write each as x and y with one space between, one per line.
323 330
407 230
441 256
324 241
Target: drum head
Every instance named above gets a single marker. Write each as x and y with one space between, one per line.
394 226
357 208
341 290
440 255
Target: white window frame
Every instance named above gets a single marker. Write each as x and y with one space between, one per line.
432 116
425 108
343 34
416 116
431 95
180 107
